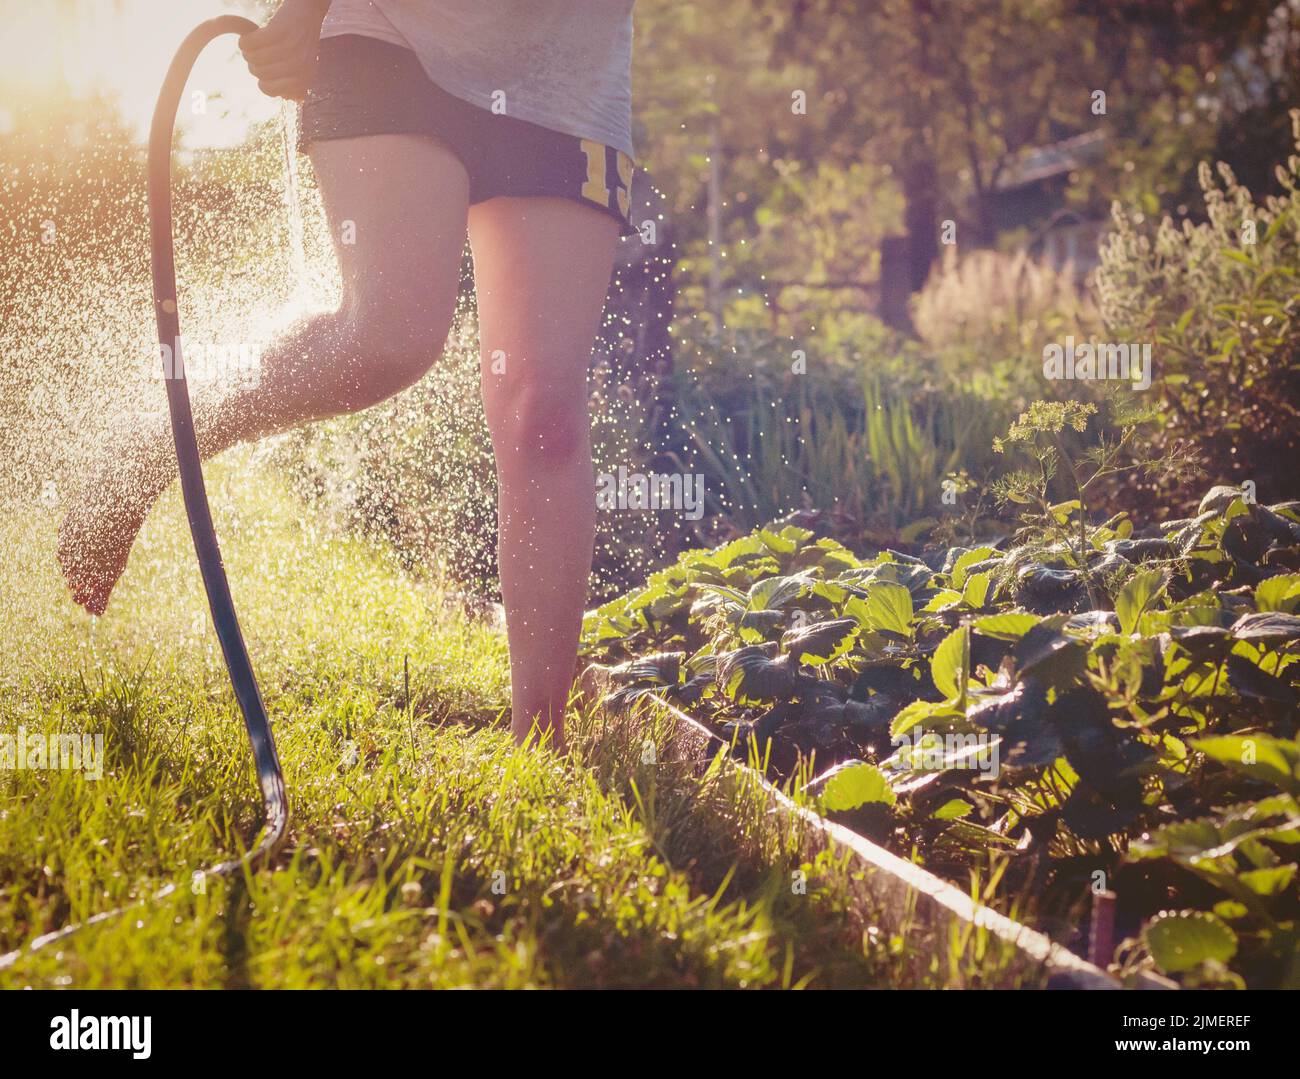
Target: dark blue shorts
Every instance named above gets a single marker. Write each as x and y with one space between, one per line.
364 86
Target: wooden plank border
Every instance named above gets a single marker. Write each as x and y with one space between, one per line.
907 894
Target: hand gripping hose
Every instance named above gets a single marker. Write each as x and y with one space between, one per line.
269 775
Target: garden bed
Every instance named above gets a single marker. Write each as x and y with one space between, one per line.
1059 718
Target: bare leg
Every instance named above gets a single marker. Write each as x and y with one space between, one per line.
407 199
541 269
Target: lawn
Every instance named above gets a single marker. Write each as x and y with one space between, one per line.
424 849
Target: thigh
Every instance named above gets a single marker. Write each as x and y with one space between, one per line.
541 270
397 208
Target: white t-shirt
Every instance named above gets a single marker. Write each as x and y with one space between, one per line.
563 64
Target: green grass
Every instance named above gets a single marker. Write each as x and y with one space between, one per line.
424 849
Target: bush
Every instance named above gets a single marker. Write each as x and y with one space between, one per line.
1002 305
1219 302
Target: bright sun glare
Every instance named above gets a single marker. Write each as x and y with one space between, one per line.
60 49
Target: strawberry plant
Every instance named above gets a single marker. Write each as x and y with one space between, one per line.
1108 702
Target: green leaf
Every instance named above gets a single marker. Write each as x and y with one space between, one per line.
1050 652
853 784
1271 760
723 595
821 642
917 713
1201 640
1249 680
756 626
1181 941
786 541
1062 510
1280 593
753 674
1025 702
953 810
1006 627
889 607
656 669
1136 597
976 590
830 590
967 560
644 677
1271 626
942 601
1218 499
773 593
1273 881
946 664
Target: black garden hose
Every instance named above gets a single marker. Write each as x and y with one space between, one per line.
242 679
220 602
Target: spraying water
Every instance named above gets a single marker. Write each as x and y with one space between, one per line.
80 370
293 204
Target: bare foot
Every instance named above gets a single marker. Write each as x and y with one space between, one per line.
95 539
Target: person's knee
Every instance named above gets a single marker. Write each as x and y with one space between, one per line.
386 349
537 426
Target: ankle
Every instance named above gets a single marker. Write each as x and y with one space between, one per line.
536 729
